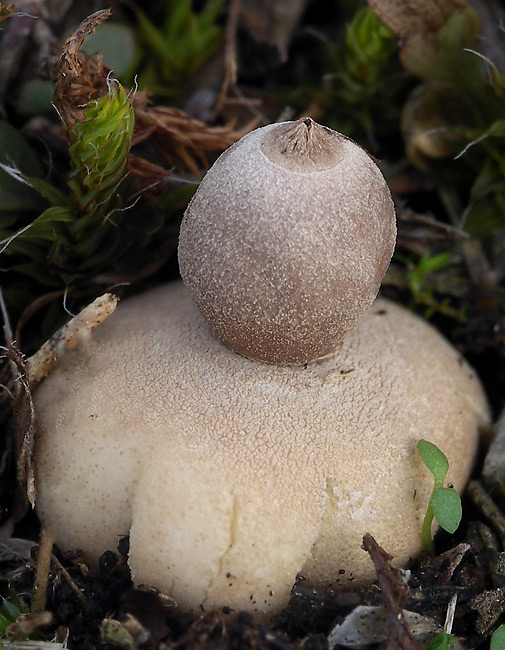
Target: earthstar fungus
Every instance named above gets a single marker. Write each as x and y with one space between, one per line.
233 474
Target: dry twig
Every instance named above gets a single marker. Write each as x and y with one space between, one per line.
66 338
394 595
230 55
487 506
42 574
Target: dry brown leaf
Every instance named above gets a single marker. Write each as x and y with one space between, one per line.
489 605
150 175
79 77
27 624
182 141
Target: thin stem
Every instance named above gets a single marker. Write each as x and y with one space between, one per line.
42 573
426 529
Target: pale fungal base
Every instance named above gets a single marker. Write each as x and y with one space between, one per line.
234 476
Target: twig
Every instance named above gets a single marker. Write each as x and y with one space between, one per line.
70 581
394 594
6 326
230 55
42 574
66 338
477 263
31 645
449 617
11 366
487 506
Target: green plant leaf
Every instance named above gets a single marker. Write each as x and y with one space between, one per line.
362 69
178 19
116 43
157 41
487 180
417 276
35 97
52 194
447 508
441 641
99 149
184 41
369 42
14 150
498 639
16 601
434 459
10 610
15 154
28 239
497 129
443 55
485 219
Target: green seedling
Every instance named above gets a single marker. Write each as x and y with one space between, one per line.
498 639
10 610
434 282
81 225
365 75
183 42
441 641
445 503
417 276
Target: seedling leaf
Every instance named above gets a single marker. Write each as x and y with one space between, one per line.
498 639
10 611
497 129
441 641
445 503
435 460
447 508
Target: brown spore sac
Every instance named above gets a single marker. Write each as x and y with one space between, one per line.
285 243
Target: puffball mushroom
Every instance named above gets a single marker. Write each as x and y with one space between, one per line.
286 241
233 476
